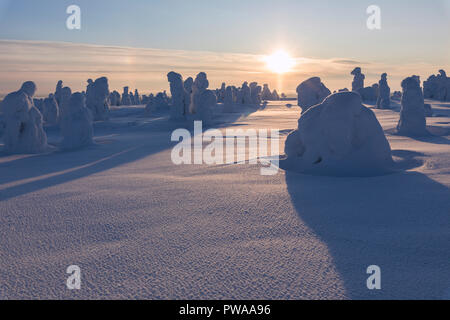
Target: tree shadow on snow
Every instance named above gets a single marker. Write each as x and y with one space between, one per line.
399 222
118 145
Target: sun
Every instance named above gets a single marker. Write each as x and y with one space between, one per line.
280 62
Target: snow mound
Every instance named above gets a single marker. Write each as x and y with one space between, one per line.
339 137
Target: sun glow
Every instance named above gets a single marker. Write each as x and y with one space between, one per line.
280 62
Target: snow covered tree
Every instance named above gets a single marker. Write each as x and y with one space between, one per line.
177 109
203 100
384 93
311 92
358 79
51 110
97 99
339 137
412 114
76 124
24 131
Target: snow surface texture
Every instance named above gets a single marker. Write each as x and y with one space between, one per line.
339 137
311 92
97 94
76 124
203 100
384 93
125 214
177 109
412 115
24 131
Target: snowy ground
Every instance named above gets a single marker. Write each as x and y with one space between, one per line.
141 227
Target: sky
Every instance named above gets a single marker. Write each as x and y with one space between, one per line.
137 42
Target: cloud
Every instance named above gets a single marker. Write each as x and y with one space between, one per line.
146 69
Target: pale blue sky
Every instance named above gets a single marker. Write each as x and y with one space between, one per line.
414 32
319 28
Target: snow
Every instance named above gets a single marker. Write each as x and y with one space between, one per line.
246 94
311 92
384 93
177 109
126 100
437 87
412 116
64 99
229 105
51 110
203 100
358 79
97 95
141 227
156 105
266 94
339 137
24 131
76 124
